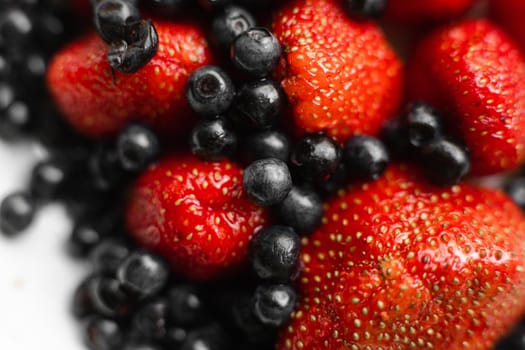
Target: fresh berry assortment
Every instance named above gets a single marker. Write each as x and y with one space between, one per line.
271 175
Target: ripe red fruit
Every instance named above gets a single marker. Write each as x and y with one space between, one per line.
421 11
195 214
475 75
509 14
400 264
340 75
80 80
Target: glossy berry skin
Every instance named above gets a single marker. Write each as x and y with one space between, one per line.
489 121
137 147
49 179
213 139
258 104
366 157
113 16
80 81
365 8
266 144
210 91
273 304
423 124
17 211
267 181
186 209
108 298
143 274
515 188
103 334
426 10
16 28
445 162
324 52
187 305
433 243
315 156
274 252
107 256
256 52
151 320
82 304
302 209
141 44
228 24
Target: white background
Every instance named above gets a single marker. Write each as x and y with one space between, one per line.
37 278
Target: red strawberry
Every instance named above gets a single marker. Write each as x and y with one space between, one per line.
80 80
476 75
402 264
340 75
424 10
508 13
195 214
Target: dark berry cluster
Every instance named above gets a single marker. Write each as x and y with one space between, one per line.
420 132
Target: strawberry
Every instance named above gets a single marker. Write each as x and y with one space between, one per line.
399 263
426 10
475 75
340 75
195 214
508 14
81 82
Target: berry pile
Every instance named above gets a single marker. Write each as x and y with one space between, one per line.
264 175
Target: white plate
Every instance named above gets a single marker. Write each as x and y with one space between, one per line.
37 278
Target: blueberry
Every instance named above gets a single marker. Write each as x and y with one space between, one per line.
207 338
16 121
109 300
187 306
515 188
302 209
274 252
339 179
423 124
267 181
16 213
256 52
274 304
249 324
151 320
103 334
267 144
175 337
107 256
258 104
214 4
316 156
209 91
50 179
213 139
137 147
143 274
394 135
90 229
104 168
82 304
7 95
445 162
230 23
16 28
168 7
141 45
112 18
365 156
365 8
